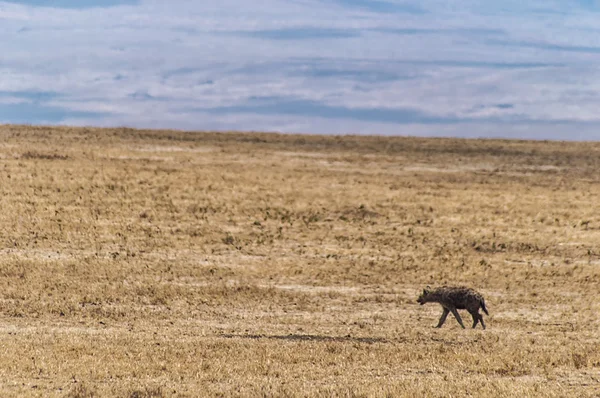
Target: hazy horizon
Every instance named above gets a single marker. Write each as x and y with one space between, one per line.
432 68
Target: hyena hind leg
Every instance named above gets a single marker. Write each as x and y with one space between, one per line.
481 321
477 317
443 318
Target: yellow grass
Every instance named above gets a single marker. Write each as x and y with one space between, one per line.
161 263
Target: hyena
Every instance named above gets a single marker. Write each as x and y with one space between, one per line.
454 298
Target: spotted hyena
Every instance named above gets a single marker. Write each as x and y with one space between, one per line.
454 298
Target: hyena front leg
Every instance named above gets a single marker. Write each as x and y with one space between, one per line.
476 318
457 316
443 317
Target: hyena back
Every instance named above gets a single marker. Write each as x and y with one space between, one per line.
453 298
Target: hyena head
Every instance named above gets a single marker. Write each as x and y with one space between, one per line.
423 298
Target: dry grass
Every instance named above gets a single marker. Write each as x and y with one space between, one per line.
155 264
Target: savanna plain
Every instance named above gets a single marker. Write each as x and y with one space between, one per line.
161 263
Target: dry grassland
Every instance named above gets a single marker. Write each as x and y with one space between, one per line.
158 264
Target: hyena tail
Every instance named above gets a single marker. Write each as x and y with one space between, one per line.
482 302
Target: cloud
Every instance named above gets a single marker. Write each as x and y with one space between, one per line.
284 106
35 113
384 6
446 31
301 33
547 46
74 4
340 66
30 96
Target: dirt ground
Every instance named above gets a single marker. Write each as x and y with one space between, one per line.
161 263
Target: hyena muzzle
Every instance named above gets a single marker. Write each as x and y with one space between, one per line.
453 298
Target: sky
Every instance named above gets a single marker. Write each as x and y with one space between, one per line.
468 68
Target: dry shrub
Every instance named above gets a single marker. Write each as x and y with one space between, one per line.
81 390
148 392
43 156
